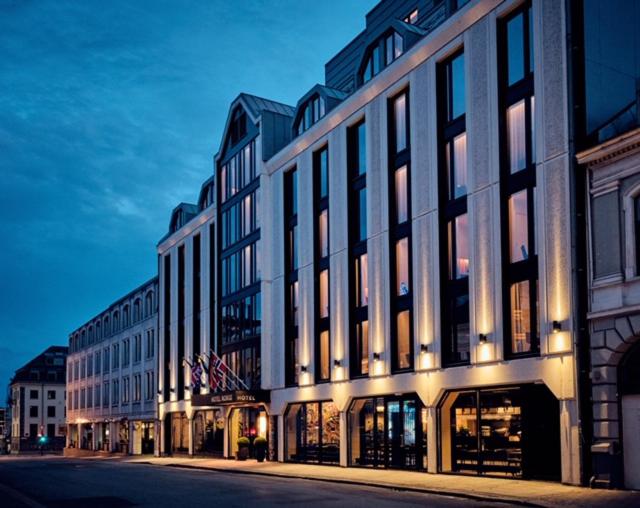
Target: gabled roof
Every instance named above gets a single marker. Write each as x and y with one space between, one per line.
254 106
44 363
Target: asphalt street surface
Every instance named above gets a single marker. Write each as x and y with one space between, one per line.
56 482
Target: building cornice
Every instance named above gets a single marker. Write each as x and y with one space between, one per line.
611 151
424 49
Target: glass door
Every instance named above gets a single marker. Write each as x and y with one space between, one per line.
402 434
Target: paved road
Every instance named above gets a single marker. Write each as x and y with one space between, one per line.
55 482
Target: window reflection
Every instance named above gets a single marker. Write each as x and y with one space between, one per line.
324 294
403 343
459 247
457 166
362 281
520 317
402 266
323 233
400 122
517 136
362 331
401 194
518 227
515 49
324 355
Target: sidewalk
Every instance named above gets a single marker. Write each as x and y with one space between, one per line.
522 492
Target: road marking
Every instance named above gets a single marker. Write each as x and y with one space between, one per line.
11 492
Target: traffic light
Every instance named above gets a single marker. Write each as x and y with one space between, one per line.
42 439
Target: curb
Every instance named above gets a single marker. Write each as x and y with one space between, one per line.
388 486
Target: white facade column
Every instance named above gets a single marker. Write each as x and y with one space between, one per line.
344 440
432 439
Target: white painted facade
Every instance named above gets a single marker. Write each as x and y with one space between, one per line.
115 352
474 28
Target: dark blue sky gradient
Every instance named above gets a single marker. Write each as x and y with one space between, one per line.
110 113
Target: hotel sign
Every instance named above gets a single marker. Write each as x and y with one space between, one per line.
234 397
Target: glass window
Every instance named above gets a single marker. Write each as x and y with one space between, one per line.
323 233
402 267
324 174
362 281
293 247
459 247
518 227
515 49
388 44
362 149
400 121
398 45
456 158
324 294
375 57
520 317
362 214
294 303
403 343
456 87
324 354
412 17
517 136
362 333
402 197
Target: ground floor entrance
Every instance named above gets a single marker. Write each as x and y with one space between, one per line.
246 422
312 432
511 431
208 432
388 431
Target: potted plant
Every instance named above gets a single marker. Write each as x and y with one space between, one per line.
243 448
260 445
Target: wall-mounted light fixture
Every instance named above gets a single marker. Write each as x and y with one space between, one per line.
303 368
424 348
376 356
556 326
337 363
482 338
172 390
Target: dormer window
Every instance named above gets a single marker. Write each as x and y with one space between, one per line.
238 127
412 17
312 111
381 54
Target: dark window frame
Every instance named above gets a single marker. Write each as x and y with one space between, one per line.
397 232
291 334
356 182
321 263
452 290
523 180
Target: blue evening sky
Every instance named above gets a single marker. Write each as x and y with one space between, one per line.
110 113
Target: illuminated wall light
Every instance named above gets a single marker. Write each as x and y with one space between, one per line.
482 338
262 425
424 348
303 368
556 326
337 363
376 356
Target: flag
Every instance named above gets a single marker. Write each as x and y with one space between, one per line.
196 374
204 371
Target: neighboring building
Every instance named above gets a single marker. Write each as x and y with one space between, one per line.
3 422
610 152
410 297
201 312
38 397
111 376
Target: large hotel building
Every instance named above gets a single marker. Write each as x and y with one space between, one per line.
398 272
388 267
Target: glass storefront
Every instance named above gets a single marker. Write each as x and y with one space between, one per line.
147 437
312 432
179 433
388 432
512 432
249 422
209 431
